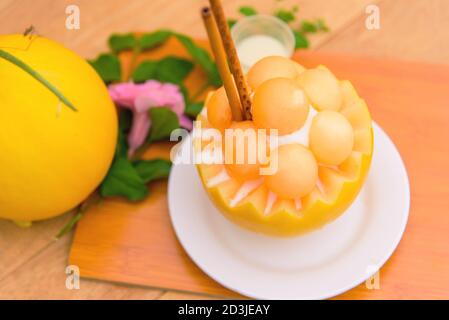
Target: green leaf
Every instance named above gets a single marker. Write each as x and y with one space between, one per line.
231 22
285 15
33 73
308 26
69 226
314 26
125 122
321 25
163 122
145 71
169 69
121 149
125 119
123 180
247 11
154 39
108 67
300 40
193 109
202 57
128 41
150 170
184 92
120 42
173 69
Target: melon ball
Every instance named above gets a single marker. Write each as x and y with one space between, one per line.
219 111
296 174
281 104
299 68
331 137
241 150
322 88
269 68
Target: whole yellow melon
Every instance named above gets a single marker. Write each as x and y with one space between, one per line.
52 157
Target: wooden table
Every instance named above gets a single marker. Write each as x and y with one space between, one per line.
32 264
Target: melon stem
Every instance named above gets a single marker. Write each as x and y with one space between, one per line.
22 65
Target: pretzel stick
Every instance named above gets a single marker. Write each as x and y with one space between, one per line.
222 64
231 52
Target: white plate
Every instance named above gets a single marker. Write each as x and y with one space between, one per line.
317 265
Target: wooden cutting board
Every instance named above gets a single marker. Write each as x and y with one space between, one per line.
135 243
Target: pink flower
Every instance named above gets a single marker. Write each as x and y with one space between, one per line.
139 98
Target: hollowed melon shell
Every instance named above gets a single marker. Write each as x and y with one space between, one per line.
340 188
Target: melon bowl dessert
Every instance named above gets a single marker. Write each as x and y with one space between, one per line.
323 151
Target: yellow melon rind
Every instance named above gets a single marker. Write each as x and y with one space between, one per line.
284 221
340 185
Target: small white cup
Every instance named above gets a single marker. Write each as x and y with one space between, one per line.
260 36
